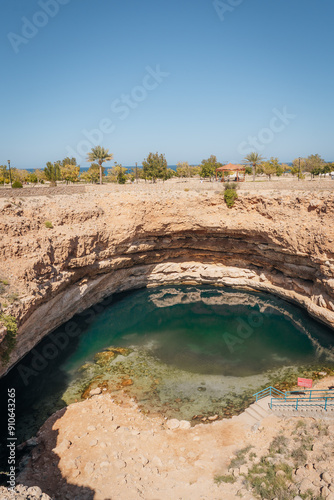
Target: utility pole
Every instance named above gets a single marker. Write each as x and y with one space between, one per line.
10 175
299 170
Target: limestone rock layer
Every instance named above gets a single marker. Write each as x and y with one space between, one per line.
109 239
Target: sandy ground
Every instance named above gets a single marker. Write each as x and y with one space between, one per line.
275 185
105 449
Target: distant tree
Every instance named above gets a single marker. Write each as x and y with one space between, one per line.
67 161
209 167
20 175
298 167
155 167
40 174
117 174
85 177
285 168
69 173
183 169
32 178
93 174
329 167
195 170
268 168
4 175
52 173
314 164
169 174
254 159
271 167
100 155
294 171
14 174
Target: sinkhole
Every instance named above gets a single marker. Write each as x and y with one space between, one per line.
186 352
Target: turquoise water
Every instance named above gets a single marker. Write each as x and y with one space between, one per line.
191 350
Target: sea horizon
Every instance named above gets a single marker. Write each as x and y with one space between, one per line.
129 167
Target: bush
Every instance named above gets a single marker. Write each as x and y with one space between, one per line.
17 184
225 479
121 179
266 483
299 456
279 444
12 297
230 194
9 342
48 224
240 458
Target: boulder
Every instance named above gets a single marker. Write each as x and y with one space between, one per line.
173 423
95 392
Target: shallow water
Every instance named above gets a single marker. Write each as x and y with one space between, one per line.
189 351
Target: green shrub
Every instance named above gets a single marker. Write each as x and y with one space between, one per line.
48 224
299 456
225 479
17 184
300 424
13 297
9 342
279 444
230 193
321 428
240 457
266 483
121 179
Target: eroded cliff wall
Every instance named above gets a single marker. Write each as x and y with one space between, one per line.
108 240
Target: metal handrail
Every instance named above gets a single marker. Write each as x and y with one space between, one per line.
323 402
311 393
268 391
306 397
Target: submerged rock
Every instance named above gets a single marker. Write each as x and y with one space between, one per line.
105 357
127 382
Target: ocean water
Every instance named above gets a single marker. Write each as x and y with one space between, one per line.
129 168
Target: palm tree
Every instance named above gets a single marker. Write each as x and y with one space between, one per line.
254 159
100 155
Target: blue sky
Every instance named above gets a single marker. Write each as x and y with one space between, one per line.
186 78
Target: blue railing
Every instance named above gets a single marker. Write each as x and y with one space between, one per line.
269 391
303 398
310 393
302 402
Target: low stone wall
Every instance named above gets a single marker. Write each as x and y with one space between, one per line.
41 191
